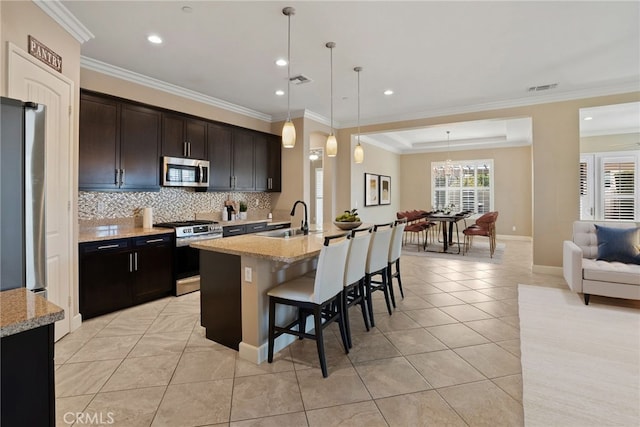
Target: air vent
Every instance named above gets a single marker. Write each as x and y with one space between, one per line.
300 79
542 87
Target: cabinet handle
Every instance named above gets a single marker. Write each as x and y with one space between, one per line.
189 148
130 263
234 230
231 181
135 261
184 148
121 177
155 240
115 180
108 246
269 183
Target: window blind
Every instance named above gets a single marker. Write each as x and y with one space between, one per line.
465 185
619 192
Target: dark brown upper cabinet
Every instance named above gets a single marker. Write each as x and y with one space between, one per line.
119 145
183 137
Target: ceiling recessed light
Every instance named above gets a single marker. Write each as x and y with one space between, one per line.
154 39
281 62
588 118
388 92
279 92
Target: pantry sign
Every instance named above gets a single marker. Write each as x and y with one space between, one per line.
44 54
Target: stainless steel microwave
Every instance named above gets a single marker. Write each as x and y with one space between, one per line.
181 172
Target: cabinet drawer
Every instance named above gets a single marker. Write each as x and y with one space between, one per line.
153 240
257 227
104 246
233 230
278 226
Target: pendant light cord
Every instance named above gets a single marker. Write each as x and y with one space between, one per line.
358 71
331 49
289 69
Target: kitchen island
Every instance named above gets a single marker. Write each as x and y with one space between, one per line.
237 272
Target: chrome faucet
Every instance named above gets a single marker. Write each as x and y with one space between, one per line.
305 224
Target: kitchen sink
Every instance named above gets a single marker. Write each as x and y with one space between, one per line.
285 233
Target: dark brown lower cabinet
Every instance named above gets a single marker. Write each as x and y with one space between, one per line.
27 394
220 298
116 274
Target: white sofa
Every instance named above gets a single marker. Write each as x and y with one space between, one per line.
586 275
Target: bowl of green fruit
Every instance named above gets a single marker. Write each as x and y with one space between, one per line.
348 220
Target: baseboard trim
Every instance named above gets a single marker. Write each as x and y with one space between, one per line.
547 269
76 322
513 237
258 355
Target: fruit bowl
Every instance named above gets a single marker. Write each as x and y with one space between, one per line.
347 225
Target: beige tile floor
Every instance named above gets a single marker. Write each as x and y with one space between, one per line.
449 355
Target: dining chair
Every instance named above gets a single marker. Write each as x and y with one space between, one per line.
377 264
319 296
484 226
395 249
354 276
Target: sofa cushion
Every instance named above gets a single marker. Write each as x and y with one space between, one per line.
616 244
584 234
616 272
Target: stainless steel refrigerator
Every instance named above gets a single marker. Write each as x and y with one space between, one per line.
22 194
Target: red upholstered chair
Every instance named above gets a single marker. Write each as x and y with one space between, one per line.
416 226
484 226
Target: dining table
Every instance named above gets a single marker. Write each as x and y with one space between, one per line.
448 221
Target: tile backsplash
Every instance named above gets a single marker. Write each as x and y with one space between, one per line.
169 204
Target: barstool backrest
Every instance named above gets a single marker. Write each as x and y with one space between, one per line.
396 240
357 257
379 247
330 268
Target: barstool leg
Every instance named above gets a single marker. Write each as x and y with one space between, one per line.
398 276
345 314
346 343
363 304
367 289
317 317
272 321
387 291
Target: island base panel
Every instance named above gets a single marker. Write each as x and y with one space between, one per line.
220 298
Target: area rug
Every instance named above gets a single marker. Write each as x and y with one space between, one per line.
580 364
479 252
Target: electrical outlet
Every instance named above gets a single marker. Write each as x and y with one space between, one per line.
513 228
248 272
257 203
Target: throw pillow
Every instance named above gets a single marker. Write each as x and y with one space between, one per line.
618 244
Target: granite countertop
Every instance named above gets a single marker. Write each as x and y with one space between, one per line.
287 250
22 310
108 232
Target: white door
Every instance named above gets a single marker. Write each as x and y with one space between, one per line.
28 80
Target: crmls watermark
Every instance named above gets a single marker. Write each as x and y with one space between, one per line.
80 418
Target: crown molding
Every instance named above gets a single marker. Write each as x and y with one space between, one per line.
59 13
625 86
130 76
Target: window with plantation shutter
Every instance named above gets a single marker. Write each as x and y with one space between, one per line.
462 185
619 188
610 186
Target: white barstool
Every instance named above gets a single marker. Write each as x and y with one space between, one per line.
319 296
395 249
354 276
377 263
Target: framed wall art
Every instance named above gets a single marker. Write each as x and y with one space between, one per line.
371 196
385 190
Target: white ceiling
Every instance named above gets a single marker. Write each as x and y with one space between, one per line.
438 57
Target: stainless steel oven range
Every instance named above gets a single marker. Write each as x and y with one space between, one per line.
186 258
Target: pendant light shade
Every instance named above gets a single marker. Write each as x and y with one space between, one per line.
332 143
288 130
358 153
332 146
288 134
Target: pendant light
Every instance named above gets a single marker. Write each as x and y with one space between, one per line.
288 130
358 153
332 143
